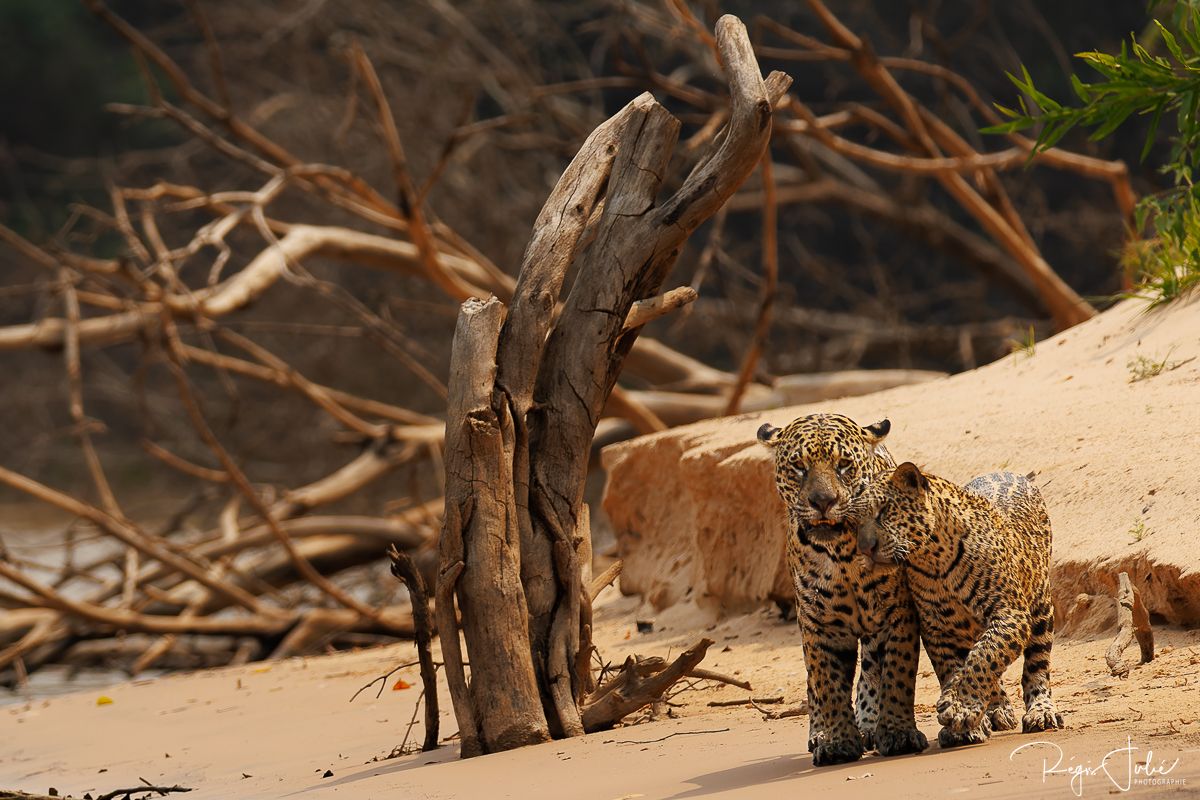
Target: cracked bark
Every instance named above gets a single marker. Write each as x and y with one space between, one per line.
527 391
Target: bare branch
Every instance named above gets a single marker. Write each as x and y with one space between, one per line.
650 309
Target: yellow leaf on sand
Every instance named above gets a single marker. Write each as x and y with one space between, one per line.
401 684
260 670
104 700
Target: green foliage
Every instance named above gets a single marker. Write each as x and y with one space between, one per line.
1145 367
1139 81
1026 346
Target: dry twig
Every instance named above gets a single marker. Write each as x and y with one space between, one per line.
406 571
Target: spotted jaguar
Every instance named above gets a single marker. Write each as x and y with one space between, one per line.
843 606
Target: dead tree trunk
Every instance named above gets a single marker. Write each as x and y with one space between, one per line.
526 393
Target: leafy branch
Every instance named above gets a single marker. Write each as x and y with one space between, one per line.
1138 81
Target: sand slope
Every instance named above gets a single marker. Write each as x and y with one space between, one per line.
1117 461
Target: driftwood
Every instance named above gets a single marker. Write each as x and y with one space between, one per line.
485 539
526 394
145 790
681 408
605 578
1133 621
630 690
745 701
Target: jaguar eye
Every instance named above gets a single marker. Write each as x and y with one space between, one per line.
800 472
844 466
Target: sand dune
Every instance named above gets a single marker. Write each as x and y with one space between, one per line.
1116 458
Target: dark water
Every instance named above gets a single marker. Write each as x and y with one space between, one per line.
53 681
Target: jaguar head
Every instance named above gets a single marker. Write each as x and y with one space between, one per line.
822 462
892 515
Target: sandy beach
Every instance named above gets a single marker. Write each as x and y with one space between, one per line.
272 730
289 729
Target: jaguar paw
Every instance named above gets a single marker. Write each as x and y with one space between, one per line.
899 741
1041 718
1002 717
837 751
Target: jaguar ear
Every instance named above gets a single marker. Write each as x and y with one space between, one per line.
877 432
908 479
768 434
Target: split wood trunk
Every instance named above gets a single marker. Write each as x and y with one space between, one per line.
527 390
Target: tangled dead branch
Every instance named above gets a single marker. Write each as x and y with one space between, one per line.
174 584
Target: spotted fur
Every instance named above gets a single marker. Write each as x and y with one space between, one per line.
821 462
977 560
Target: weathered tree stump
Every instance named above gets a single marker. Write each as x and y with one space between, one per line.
526 392
1133 621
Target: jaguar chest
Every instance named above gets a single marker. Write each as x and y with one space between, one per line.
838 590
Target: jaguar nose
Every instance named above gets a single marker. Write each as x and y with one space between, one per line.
822 501
867 542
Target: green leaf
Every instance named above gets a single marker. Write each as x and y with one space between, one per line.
1053 134
1141 210
1158 112
1149 59
1119 115
1081 89
1005 110
1044 101
1011 126
1171 42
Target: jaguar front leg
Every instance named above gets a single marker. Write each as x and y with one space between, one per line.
962 705
1040 711
896 732
830 662
948 649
